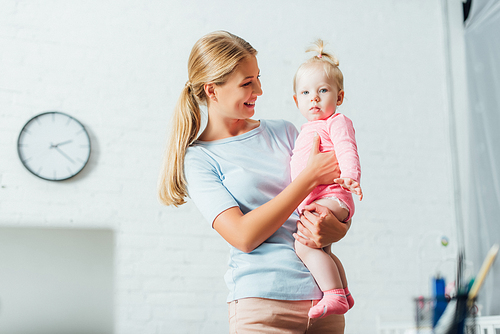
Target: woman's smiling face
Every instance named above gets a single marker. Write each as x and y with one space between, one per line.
236 98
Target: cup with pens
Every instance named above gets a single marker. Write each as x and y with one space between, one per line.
446 312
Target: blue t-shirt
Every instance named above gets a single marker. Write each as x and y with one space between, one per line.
247 171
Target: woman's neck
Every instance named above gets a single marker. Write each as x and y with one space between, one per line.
226 129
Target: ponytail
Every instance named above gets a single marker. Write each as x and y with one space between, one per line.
317 47
186 123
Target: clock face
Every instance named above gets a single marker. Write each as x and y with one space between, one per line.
54 146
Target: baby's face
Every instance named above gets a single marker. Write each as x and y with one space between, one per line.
317 95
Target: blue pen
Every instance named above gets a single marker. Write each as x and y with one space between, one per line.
438 285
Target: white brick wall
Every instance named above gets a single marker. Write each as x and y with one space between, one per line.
118 67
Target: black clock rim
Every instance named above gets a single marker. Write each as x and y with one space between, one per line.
61 113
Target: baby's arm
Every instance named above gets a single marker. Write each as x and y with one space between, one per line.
342 135
351 185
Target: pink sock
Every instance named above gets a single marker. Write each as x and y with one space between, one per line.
333 302
348 295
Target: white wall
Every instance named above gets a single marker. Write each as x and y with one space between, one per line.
118 67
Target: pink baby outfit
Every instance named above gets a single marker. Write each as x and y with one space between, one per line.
337 134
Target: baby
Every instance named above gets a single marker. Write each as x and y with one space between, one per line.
318 91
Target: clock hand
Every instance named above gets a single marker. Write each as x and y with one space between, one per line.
63 143
64 154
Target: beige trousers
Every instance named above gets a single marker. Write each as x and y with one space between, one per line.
258 315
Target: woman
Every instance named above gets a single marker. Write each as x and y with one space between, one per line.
237 173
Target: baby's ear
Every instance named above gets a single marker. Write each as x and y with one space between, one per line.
295 99
340 97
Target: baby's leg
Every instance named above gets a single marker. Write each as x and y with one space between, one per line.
340 211
321 265
343 278
327 270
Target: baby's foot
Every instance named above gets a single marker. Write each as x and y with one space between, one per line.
333 302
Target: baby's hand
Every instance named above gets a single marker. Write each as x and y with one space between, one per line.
350 185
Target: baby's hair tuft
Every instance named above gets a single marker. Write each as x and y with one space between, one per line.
329 61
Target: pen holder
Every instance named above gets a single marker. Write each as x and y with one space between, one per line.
452 320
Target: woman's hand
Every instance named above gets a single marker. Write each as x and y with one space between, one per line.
323 165
320 227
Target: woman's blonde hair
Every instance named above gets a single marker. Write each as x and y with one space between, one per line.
329 61
213 58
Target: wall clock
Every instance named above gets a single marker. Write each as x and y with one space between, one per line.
54 146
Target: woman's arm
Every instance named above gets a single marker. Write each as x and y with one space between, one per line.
320 227
247 232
